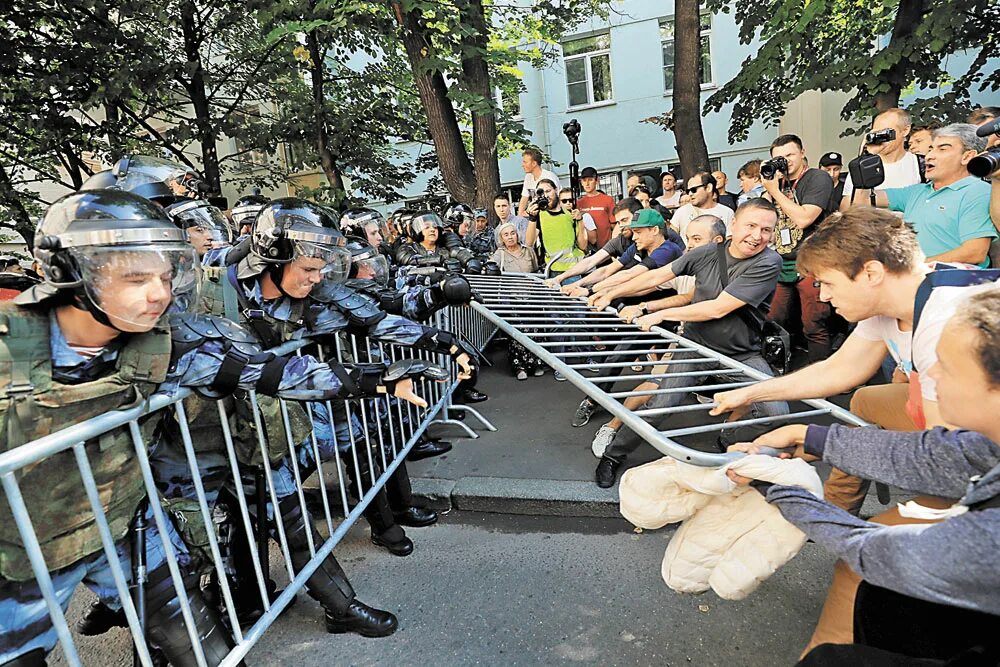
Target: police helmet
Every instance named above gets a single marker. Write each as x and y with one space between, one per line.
456 214
366 261
247 207
205 225
291 228
367 223
156 179
424 220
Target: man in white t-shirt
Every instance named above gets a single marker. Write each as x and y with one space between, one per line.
901 167
531 162
701 189
869 266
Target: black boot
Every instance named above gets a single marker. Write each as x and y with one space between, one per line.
99 618
472 395
328 585
427 448
385 531
167 630
399 491
34 658
415 517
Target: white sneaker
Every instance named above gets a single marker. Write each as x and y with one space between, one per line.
522 375
602 440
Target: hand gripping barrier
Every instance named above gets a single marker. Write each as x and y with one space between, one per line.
564 332
389 427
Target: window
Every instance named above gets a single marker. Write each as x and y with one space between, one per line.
588 70
667 45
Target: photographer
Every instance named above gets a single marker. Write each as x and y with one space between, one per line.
550 219
802 195
531 162
951 212
621 240
888 140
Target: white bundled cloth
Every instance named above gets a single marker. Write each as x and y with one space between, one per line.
732 539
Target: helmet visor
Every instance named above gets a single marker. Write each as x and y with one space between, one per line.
336 261
136 285
373 268
142 169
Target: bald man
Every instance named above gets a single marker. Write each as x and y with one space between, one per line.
901 166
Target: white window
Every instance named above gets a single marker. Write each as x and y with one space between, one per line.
588 70
667 44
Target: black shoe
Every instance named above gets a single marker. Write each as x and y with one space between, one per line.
362 620
100 618
402 547
472 395
607 471
427 449
416 517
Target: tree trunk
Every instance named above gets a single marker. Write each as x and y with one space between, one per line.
327 159
897 77
691 148
453 160
204 127
476 76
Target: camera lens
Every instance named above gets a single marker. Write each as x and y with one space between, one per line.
985 164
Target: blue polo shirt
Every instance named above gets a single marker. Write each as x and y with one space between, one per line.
946 218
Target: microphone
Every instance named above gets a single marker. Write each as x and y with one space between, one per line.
986 129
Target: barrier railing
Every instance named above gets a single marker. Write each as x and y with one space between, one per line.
565 334
383 429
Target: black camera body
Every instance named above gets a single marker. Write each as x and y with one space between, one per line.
867 172
571 129
985 163
541 200
770 168
880 137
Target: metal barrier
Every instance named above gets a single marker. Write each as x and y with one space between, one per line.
543 320
393 425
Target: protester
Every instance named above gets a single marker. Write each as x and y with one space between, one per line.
701 188
901 167
802 196
729 319
501 206
623 214
531 162
919 142
929 590
727 199
671 196
512 255
750 185
597 205
951 212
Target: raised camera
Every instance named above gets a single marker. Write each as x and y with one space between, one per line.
880 136
771 168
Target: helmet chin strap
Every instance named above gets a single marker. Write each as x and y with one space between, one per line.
276 271
83 301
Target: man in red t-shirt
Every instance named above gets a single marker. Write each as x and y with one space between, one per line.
597 204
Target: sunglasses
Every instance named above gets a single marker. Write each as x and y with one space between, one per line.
566 201
693 188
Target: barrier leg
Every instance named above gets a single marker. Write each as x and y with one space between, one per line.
140 526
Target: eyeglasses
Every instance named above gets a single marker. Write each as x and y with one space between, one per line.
566 201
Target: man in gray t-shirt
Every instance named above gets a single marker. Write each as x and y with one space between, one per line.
728 319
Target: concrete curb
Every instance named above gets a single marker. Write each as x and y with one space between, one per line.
501 495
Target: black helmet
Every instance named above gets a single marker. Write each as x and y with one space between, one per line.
88 241
154 178
212 227
474 267
491 268
291 227
246 208
366 223
102 180
424 220
366 261
456 214
400 221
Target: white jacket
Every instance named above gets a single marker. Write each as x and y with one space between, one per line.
731 539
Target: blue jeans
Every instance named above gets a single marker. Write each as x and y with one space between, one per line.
24 619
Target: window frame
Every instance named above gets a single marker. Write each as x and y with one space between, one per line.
705 32
587 57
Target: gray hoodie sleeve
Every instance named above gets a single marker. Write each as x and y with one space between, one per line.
937 462
952 562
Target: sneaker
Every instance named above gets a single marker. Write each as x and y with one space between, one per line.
602 440
539 372
583 413
559 376
591 362
522 375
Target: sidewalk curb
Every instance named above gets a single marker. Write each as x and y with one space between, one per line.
536 497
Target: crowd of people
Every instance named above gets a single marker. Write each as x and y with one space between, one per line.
138 285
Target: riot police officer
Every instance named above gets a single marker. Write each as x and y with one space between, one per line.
245 210
96 336
206 227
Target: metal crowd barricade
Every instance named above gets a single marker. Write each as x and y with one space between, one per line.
541 318
394 425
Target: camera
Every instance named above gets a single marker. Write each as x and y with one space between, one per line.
572 131
771 168
541 200
985 164
881 136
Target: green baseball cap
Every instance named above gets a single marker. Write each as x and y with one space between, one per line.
648 217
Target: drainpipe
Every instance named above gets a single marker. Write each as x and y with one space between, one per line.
546 140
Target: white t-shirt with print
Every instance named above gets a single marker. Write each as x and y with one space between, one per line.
918 350
528 189
685 214
898 174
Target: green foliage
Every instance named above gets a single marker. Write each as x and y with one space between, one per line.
845 45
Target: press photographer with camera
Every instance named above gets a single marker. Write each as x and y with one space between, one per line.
951 212
986 165
550 219
887 139
802 195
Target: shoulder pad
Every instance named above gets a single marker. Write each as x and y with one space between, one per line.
360 310
191 330
363 285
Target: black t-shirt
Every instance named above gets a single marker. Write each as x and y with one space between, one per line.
814 187
617 246
751 280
